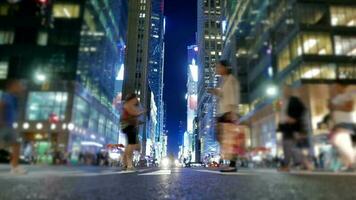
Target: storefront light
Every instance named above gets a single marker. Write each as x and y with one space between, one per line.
89 143
39 126
38 136
53 126
64 126
26 125
70 126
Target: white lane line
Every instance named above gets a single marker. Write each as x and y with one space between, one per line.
159 172
227 173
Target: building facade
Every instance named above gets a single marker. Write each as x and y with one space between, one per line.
68 53
192 101
144 67
210 44
305 44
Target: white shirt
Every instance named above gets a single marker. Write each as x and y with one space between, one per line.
342 116
229 95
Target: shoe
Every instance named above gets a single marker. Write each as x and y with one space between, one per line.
18 171
229 169
347 169
130 169
284 169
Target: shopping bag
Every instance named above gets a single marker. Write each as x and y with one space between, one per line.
232 141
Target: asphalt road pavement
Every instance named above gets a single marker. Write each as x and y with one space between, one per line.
200 183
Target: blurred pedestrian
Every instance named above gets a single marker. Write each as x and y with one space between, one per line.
129 126
293 130
8 116
228 94
343 121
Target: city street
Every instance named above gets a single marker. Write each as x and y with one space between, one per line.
199 183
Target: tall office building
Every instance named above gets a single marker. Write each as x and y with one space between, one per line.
307 44
156 64
68 54
209 39
144 64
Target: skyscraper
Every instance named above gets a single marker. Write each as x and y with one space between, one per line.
145 61
156 64
210 45
68 53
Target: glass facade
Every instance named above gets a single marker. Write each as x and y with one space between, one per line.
307 43
40 105
80 112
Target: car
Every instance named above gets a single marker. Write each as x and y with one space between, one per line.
194 164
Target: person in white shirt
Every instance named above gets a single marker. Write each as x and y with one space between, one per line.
228 94
343 121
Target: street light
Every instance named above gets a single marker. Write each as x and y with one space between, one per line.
41 77
272 91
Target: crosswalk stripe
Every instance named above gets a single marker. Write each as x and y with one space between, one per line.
322 173
227 173
159 172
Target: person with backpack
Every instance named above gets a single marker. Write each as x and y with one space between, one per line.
129 126
8 116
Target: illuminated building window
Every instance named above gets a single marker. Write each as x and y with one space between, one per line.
42 38
4 67
4 9
213 53
284 59
6 37
304 44
317 43
40 105
65 10
93 119
345 46
347 71
318 71
343 16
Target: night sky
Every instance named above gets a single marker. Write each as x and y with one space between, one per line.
181 25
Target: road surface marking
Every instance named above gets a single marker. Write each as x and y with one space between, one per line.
322 173
226 173
159 172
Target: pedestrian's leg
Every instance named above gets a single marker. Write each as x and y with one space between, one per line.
15 155
343 143
130 149
232 163
124 159
288 152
